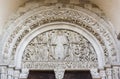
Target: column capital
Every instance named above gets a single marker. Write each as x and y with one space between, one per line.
3 69
16 73
95 74
24 73
59 73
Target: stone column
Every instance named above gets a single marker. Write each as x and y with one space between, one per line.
116 72
10 72
108 72
102 73
3 72
16 73
24 74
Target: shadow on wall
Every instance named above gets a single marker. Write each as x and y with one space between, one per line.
118 37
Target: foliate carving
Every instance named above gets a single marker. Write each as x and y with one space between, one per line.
63 14
61 46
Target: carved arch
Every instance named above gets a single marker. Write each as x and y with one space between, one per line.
25 24
66 26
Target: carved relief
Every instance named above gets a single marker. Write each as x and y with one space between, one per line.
64 48
63 14
60 45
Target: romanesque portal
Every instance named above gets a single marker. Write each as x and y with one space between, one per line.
59 37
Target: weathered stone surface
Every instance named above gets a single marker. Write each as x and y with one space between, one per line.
58 36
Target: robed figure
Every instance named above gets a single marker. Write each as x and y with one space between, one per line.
59 42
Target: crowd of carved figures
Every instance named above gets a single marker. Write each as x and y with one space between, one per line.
60 45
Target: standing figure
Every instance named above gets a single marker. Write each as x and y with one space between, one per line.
60 41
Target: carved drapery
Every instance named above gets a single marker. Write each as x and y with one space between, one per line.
62 47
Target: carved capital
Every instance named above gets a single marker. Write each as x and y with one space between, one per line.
102 73
24 73
59 73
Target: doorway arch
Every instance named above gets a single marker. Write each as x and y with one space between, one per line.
58 26
82 21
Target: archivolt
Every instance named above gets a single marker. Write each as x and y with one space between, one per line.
33 19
